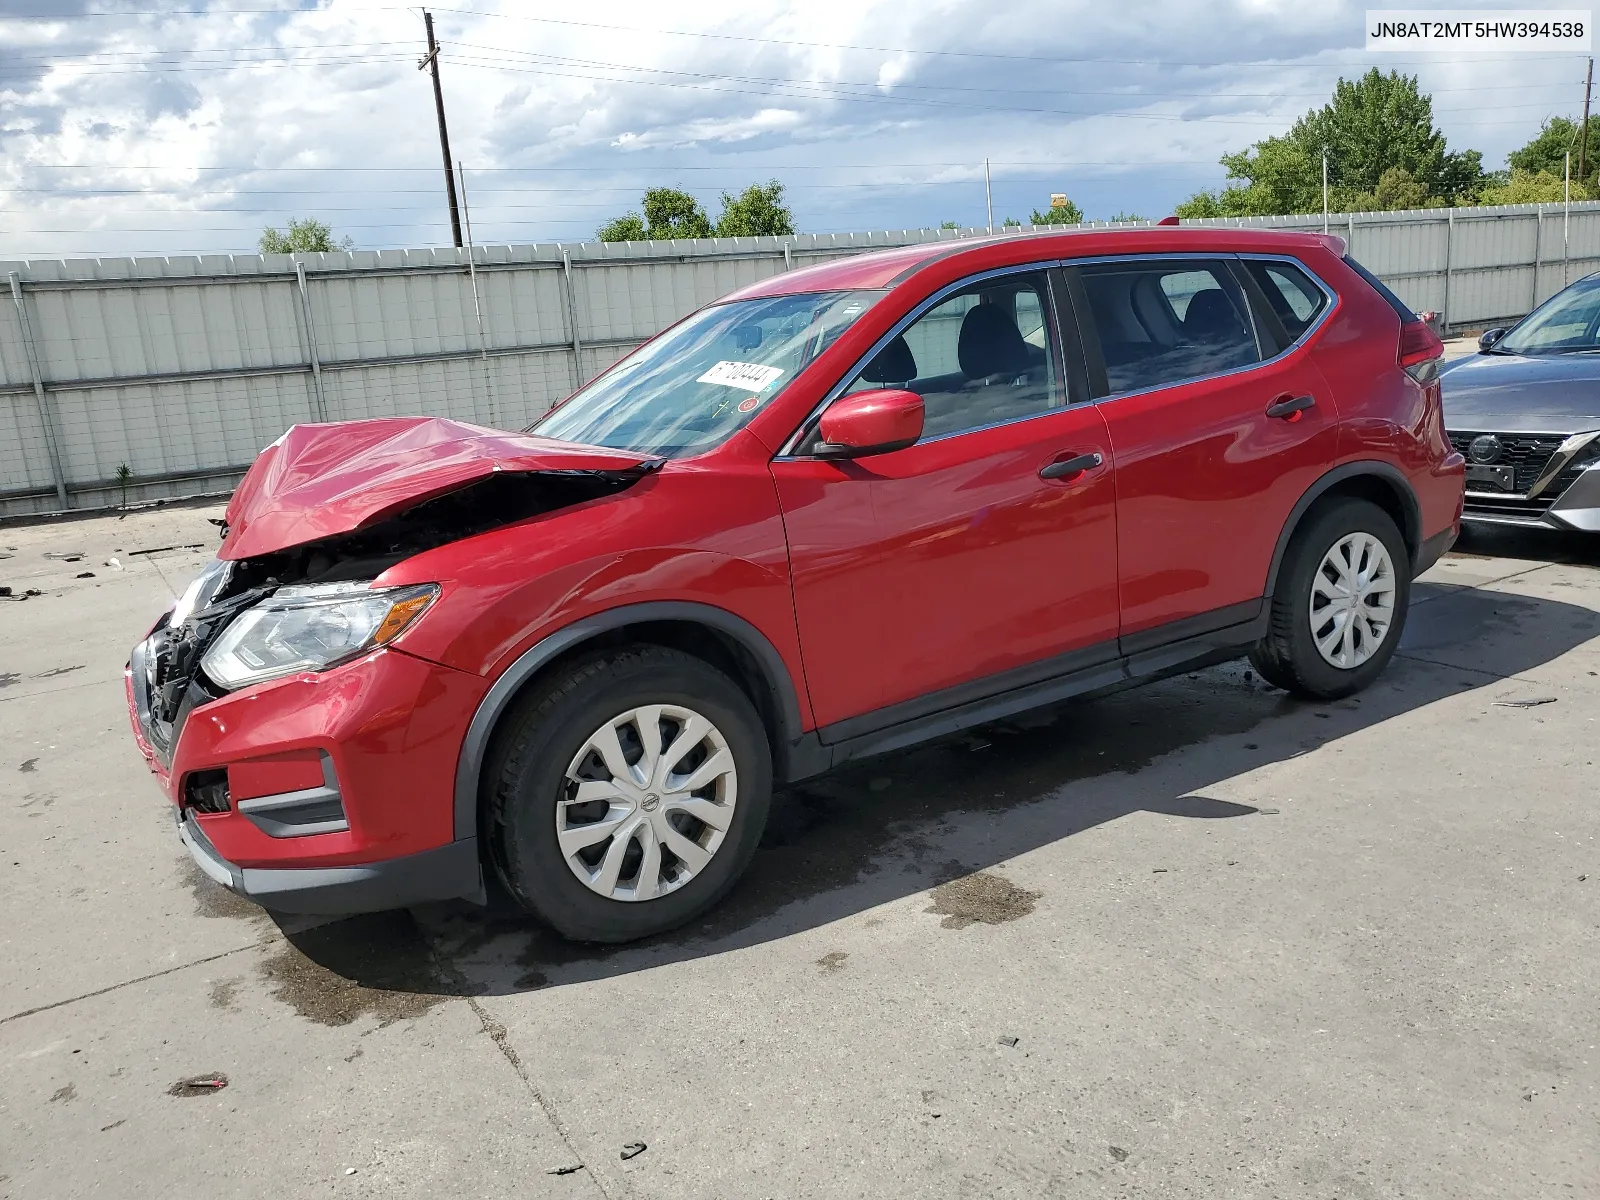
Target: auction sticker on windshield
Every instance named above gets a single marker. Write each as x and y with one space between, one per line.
748 376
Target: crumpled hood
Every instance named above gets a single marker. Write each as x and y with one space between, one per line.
317 481
1535 393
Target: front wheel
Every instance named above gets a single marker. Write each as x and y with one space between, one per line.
628 794
1340 603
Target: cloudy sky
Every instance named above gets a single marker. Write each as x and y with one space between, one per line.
130 126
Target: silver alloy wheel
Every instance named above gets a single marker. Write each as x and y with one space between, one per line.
646 802
1352 600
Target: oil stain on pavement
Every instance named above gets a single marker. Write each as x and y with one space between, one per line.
980 898
315 972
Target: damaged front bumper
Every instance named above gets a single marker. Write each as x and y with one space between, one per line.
446 873
319 793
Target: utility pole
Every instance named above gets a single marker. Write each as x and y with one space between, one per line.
432 60
988 195
1324 191
1583 146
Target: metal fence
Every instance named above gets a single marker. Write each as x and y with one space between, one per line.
129 380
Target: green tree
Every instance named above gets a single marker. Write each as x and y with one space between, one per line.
1011 223
1533 187
307 235
668 213
1065 213
1547 151
1125 216
948 225
1371 126
758 210
627 228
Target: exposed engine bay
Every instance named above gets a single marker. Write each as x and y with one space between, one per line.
173 682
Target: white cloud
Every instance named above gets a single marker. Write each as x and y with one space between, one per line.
124 134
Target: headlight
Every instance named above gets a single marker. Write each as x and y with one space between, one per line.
309 628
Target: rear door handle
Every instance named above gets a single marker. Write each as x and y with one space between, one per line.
1289 408
1064 467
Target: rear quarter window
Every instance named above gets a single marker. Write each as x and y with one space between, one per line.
1294 299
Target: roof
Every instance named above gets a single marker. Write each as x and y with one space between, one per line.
884 268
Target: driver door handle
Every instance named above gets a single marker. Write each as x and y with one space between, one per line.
1062 468
1289 407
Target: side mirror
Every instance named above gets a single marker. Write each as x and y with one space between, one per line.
1490 337
872 422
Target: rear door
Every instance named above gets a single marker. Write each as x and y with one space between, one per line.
931 576
1219 423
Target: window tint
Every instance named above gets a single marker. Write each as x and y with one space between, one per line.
980 357
1295 299
1159 323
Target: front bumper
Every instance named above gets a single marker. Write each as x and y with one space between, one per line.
328 792
1556 489
446 873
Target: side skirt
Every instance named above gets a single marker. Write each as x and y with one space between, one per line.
1145 657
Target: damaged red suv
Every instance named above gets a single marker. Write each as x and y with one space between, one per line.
839 512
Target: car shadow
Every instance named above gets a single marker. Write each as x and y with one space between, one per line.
889 828
1541 545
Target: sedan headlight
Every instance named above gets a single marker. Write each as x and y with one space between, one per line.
310 628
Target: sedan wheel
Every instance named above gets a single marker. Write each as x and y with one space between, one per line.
647 802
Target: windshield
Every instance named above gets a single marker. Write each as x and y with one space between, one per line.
696 384
1563 324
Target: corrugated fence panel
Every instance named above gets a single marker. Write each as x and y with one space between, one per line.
182 369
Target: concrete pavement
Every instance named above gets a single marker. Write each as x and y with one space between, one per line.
1194 939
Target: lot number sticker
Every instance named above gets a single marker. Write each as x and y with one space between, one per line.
746 376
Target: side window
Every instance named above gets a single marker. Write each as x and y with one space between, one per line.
981 357
1295 300
1164 322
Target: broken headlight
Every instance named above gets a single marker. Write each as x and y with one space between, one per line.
309 628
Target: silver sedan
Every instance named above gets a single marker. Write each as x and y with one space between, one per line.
1525 412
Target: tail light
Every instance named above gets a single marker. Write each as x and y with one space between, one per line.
1420 351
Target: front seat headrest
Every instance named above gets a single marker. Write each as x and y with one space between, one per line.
893 364
990 344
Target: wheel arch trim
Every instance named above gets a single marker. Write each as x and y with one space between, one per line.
475 746
1373 468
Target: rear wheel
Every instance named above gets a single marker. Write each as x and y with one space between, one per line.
1340 603
628 794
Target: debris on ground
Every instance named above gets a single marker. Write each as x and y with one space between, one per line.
164 549
1008 1039
569 1169
64 555
633 1150
1529 702
349 1170
199 1085
7 594
1118 1153
1267 812
84 575
27 765
114 564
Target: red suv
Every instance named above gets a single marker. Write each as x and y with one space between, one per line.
839 512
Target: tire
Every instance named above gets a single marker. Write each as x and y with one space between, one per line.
1288 656
534 775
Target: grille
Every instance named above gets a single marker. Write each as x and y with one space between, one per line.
1528 453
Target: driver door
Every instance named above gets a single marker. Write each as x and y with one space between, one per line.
952 570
